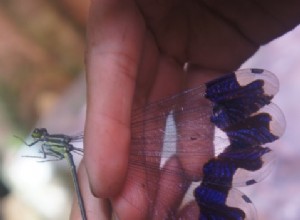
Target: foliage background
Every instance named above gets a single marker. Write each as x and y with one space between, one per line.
41 84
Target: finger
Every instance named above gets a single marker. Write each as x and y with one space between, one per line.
115 39
133 203
133 195
172 189
95 208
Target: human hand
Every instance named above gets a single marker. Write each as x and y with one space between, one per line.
136 53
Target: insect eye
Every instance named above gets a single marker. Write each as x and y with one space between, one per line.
37 133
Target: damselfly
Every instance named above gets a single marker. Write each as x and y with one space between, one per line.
167 155
58 147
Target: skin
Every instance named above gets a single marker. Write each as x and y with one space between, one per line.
136 51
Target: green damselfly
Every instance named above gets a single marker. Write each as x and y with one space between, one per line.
59 146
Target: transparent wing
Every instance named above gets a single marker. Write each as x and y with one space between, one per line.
78 137
172 138
179 128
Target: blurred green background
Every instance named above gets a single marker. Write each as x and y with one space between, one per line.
41 52
41 84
